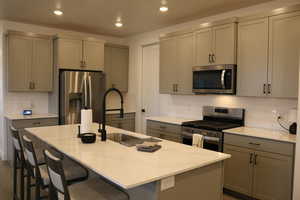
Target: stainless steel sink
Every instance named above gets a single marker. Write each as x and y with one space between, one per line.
129 140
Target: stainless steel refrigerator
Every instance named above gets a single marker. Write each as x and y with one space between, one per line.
78 90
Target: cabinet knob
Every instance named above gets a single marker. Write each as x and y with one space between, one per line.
209 58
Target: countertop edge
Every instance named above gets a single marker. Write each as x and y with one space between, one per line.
260 137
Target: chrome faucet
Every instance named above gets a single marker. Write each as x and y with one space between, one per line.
102 129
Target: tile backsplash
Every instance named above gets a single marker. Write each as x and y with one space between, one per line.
259 111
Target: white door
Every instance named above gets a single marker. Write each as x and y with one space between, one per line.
150 83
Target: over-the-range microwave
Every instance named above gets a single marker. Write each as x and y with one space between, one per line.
214 79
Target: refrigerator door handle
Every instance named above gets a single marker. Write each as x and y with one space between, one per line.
90 91
85 92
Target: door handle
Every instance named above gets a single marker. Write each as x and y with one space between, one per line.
269 88
176 87
90 91
264 88
223 78
255 159
213 58
256 144
209 58
251 158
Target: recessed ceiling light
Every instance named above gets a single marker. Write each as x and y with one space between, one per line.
119 24
58 12
163 8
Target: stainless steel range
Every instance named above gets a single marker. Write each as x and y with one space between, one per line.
215 120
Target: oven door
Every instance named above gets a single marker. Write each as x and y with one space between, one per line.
210 143
219 79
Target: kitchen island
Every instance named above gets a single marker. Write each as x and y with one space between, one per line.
176 171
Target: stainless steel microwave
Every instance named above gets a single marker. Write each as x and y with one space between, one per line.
214 79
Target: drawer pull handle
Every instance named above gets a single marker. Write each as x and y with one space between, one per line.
256 144
255 159
251 158
36 123
162 127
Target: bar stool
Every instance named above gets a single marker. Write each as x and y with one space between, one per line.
18 164
92 189
74 173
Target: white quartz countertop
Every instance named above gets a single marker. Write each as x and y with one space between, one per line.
170 120
125 166
263 133
34 116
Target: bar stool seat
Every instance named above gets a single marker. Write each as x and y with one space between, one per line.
95 189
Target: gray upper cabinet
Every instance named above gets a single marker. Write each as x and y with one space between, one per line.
252 58
268 56
93 55
30 65
168 69
284 55
176 62
216 45
203 46
185 62
224 44
116 66
79 54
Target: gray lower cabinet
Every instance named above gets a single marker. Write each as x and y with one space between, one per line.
164 131
126 123
20 125
259 168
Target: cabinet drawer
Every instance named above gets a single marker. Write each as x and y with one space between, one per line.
259 144
117 116
28 123
164 135
163 127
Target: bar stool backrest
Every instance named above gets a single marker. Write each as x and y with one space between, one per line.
17 145
31 156
56 174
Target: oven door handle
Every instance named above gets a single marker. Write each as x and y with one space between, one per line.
214 139
187 135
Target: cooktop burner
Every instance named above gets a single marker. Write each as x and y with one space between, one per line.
210 125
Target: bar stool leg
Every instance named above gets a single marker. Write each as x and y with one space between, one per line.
15 174
28 186
22 176
37 189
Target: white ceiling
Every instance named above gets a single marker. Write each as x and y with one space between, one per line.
98 16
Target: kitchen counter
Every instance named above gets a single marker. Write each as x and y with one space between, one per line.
263 133
170 120
131 169
34 116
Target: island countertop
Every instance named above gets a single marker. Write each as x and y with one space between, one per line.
125 166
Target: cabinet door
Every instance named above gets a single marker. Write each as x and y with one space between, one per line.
284 54
93 55
119 68
42 68
252 70
273 176
69 53
185 61
168 66
19 63
108 65
224 44
238 170
203 46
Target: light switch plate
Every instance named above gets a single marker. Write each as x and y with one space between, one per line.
167 183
